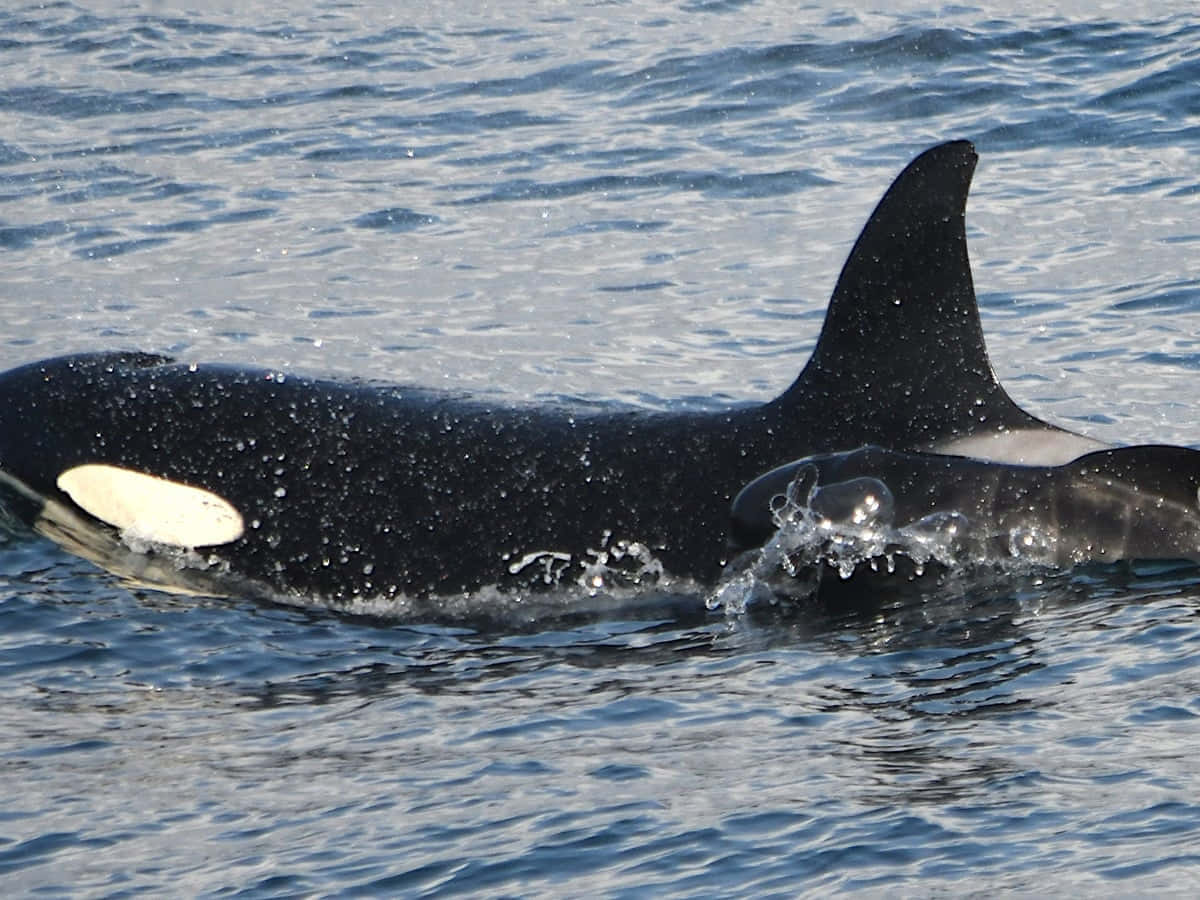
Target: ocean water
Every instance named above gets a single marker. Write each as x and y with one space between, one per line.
620 203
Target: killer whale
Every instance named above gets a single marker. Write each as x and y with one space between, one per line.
301 486
1115 504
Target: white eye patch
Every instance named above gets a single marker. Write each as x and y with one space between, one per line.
152 509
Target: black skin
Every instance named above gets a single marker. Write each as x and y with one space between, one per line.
351 490
427 494
1115 504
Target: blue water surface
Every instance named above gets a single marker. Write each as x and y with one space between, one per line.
611 202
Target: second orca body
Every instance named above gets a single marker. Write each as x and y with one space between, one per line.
1123 503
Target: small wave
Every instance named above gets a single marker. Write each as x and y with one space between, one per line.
395 219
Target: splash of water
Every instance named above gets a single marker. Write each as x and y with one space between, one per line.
851 527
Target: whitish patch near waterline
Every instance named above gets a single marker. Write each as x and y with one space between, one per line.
152 509
1023 446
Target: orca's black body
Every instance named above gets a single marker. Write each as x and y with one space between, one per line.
1119 503
347 490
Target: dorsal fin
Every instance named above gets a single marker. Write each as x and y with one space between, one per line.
901 359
